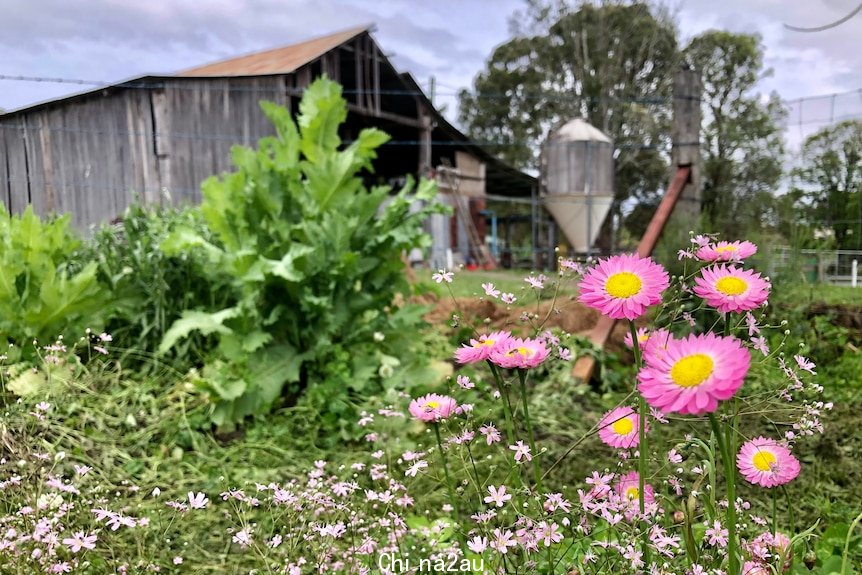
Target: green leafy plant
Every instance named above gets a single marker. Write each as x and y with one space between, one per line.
43 293
312 259
151 289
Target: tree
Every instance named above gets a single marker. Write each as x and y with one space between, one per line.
829 181
611 64
742 141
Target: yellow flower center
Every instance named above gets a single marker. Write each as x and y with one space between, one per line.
431 405
525 351
763 460
692 370
623 426
633 493
643 338
723 249
623 285
488 342
730 285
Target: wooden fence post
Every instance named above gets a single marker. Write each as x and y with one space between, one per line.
685 135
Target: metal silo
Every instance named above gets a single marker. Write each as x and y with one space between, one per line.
578 180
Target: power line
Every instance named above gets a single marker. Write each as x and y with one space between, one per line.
826 26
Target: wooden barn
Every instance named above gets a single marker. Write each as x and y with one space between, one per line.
159 137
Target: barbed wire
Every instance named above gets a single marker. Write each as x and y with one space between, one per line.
236 138
175 82
184 83
827 109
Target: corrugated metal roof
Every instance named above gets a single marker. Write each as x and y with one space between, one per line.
282 60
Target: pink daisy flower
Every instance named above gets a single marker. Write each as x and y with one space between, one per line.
619 428
767 463
693 374
481 349
623 286
520 353
726 251
731 289
432 407
628 487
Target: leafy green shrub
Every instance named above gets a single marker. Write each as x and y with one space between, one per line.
150 289
312 259
44 294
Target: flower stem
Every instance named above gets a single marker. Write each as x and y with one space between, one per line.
774 512
449 484
725 445
789 509
522 376
643 448
475 472
507 410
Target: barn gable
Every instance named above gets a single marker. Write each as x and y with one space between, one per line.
159 137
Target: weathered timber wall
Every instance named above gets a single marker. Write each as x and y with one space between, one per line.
199 120
87 157
91 156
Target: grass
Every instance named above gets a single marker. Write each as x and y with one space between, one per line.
469 284
802 294
153 432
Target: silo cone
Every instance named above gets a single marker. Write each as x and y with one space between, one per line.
578 215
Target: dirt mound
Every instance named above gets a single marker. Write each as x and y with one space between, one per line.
566 314
846 316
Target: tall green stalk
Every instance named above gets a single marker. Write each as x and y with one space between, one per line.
729 457
522 377
643 448
774 512
724 444
449 486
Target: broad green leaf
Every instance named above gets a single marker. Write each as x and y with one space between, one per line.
185 239
27 383
255 340
272 367
192 320
9 270
322 111
832 566
228 390
284 268
61 297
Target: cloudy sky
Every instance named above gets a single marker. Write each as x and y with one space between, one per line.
111 40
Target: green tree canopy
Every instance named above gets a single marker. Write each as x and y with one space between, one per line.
828 183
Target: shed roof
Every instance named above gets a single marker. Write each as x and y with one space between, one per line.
283 60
